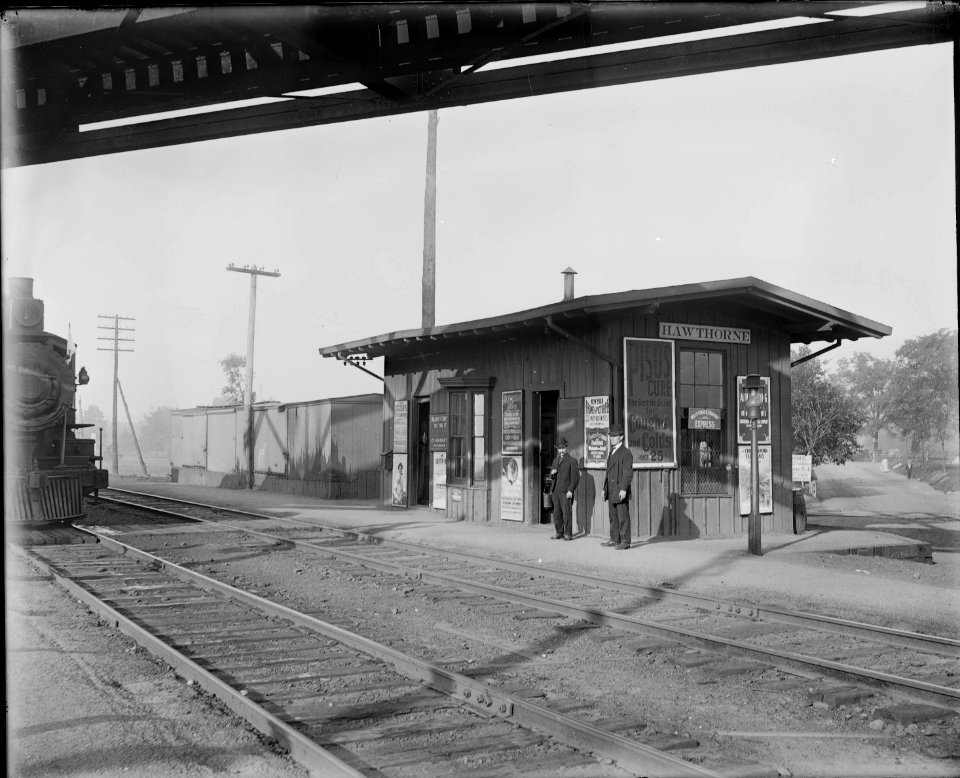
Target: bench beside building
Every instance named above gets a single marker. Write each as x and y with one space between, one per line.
472 411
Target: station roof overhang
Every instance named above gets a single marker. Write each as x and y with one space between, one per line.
804 319
85 83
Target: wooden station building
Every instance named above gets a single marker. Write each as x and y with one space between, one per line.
472 411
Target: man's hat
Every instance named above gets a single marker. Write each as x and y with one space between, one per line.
616 429
562 443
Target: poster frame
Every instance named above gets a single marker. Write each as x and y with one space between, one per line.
592 408
513 511
671 345
507 400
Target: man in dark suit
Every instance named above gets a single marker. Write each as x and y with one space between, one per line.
616 489
566 476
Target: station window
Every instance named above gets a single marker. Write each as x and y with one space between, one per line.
433 26
464 23
468 437
130 78
177 71
403 34
703 423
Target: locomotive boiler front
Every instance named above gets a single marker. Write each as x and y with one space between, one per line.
39 385
49 469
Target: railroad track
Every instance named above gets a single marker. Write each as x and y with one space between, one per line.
341 703
924 668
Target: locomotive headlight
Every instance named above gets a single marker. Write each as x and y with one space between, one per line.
83 378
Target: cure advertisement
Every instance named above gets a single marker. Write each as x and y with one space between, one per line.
650 421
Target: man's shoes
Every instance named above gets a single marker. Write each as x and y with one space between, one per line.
556 537
568 537
608 543
622 546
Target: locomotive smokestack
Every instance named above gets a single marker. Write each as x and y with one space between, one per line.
568 275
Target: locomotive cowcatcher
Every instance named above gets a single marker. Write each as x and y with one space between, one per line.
48 469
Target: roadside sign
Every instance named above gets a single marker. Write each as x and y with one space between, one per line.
802 468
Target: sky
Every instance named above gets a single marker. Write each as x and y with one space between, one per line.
831 178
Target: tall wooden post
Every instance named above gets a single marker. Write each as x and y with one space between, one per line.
430 226
254 271
117 329
753 530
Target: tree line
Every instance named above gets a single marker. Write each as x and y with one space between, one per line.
914 395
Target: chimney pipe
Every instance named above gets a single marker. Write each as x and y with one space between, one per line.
568 275
20 287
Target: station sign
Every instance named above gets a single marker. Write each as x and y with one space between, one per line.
705 332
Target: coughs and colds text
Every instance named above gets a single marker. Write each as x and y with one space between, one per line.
650 401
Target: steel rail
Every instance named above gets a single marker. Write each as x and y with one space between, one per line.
893 636
898 685
481 697
301 748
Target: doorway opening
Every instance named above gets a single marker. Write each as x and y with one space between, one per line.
424 456
547 426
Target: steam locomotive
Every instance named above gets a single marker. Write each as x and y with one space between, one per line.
48 469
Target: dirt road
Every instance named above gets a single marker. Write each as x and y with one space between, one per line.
860 495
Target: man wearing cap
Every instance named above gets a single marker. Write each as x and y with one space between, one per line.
566 476
616 489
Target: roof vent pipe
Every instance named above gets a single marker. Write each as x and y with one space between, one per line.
568 275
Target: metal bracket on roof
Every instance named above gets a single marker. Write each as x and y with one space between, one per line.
816 354
359 362
580 342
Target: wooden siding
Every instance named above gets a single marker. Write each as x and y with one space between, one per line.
537 361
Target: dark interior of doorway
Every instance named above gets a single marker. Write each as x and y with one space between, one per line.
548 438
424 457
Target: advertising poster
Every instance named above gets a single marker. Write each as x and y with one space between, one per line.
440 480
511 488
398 481
512 433
802 468
438 432
596 425
400 415
651 419
743 423
764 458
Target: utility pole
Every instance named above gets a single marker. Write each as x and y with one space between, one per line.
117 329
430 226
253 271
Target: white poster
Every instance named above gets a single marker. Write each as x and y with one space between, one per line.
440 480
399 481
764 458
400 416
511 488
596 425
